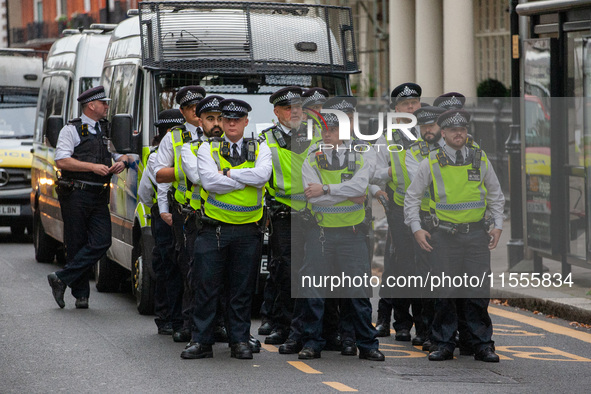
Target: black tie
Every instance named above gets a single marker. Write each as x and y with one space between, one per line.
335 160
235 154
459 158
97 128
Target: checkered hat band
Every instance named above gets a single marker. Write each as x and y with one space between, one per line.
452 102
457 119
191 96
408 92
234 108
342 105
427 115
316 98
287 96
97 96
212 104
170 121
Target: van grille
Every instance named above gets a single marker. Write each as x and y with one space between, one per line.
14 178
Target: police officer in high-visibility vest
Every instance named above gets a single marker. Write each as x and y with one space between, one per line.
313 100
233 171
86 168
169 168
289 145
168 281
430 140
463 186
405 98
336 178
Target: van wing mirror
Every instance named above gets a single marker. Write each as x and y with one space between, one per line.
54 125
122 133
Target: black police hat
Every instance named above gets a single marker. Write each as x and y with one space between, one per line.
451 100
405 91
454 118
169 118
314 96
209 104
428 114
331 120
286 96
342 103
189 95
234 108
96 93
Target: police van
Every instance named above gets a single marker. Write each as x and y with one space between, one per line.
240 50
20 79
74 64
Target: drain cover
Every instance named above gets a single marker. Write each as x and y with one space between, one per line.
463 375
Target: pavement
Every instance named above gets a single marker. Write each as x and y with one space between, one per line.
569 301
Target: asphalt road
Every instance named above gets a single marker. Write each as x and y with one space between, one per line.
111 348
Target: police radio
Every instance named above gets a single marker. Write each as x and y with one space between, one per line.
279 137
477 158
225 149
251 151
321 160
84 130
351 166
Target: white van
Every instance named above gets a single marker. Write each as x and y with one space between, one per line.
20 79
73 65
241 50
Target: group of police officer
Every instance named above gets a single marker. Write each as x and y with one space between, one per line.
214 193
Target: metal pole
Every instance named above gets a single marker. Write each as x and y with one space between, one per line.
513 147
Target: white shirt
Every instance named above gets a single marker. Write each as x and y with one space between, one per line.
189 163
145 190
215 182
69 139
412 201
354 187
165 157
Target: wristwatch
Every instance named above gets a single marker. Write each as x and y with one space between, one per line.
325 189
225 171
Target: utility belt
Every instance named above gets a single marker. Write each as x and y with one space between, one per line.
173 203
431 222
65 186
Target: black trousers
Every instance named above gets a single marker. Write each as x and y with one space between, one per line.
183 261
168 289
87 236
225 255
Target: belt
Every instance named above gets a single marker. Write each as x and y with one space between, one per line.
88 187
207 221
462 228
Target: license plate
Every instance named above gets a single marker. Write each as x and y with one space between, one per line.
10 210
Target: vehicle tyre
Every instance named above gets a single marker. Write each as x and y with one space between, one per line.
142 283
107 275
45 246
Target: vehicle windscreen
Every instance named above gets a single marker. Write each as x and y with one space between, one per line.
17 114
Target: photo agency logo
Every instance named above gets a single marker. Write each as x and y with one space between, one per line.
333 119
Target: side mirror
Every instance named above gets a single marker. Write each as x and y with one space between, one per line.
54 125
122 133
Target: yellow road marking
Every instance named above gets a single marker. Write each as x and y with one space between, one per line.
386 347
550 327
269 348
302 366
544 353
339 386
516 333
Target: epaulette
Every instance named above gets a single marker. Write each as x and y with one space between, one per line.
215 139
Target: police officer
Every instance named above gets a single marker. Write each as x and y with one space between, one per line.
289 145
168 282
313 100
405 98
86 167
336 179
463 186
169 168
430 140
233 172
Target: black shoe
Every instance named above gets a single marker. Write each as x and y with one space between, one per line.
403 335
333 343
440 355
427 345
58 288
349 348
265 328
487 355
372 355
418 340
183 335
166 329
241 351
82 303
220 334
255 344
277 337
383 329
308 353
290 347
466 351
196 350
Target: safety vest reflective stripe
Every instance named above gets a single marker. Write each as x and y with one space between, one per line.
337 209
236 207
180 182
400 180
195 192
458 199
